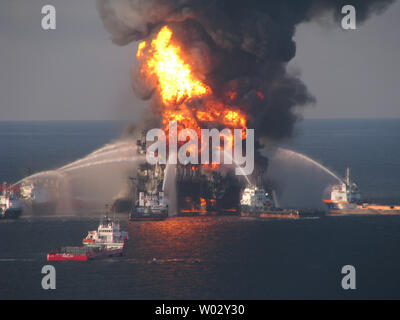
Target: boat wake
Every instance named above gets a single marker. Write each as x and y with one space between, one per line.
16 259
165 261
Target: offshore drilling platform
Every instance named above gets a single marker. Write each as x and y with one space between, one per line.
200 190
182 97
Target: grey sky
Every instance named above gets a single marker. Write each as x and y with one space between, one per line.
76 73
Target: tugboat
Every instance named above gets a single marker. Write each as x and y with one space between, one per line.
10 205
107 241
346 199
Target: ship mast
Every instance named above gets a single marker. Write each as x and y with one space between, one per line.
348 176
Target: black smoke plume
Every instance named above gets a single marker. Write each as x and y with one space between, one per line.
235 45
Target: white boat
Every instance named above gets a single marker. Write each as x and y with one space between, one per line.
107 235
10 205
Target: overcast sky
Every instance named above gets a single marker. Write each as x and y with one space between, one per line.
76 73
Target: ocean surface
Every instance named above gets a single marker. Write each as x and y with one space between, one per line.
211 257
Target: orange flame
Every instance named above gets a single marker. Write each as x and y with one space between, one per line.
140 49
165 64
175 78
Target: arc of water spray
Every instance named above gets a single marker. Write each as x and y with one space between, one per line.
108 146
304 157
92 156
165 175
120 160
39 174
106 150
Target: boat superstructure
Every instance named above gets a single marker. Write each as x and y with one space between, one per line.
256 202
254 197
38 197
10 204
108 235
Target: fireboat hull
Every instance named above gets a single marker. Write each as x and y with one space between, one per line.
344 208
362 212
283 213
265 215
150 215
247 211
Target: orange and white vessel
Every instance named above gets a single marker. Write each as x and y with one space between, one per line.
107 241
346 199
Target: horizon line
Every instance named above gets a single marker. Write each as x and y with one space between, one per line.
124 120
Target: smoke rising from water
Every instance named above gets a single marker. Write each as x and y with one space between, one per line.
240 46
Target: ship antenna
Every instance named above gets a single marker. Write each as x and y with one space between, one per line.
348 175
107 209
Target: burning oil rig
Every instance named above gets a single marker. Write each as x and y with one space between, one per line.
200 190
180 95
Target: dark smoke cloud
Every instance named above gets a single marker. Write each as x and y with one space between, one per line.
235 45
